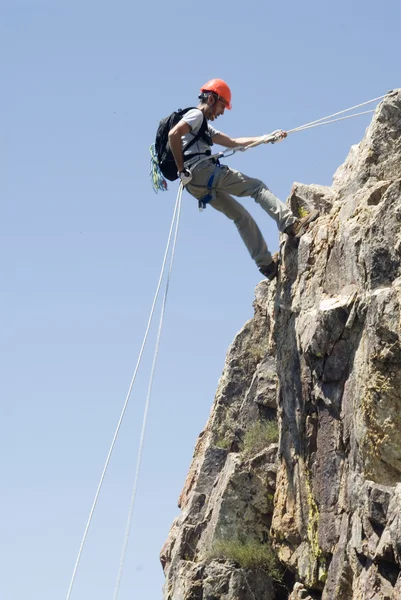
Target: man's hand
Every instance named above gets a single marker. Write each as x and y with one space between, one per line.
185 176
276 136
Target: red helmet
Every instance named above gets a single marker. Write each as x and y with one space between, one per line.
219 87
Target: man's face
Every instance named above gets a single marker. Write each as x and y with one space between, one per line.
217 108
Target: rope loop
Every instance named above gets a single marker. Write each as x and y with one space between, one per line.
159 183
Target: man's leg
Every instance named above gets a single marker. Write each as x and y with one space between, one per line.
238 184
218 182
246 225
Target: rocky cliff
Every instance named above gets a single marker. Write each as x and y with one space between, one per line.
294 491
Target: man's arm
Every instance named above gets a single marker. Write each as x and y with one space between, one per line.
225 140
174 139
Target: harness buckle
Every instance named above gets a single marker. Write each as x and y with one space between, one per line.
202 202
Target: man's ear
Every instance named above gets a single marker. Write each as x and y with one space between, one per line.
211 100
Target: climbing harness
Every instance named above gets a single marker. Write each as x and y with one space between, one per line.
209 196
173 227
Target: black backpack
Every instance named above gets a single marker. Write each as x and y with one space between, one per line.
162 147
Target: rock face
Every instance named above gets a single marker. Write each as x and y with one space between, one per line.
321 361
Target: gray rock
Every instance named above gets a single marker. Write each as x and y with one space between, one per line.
322 355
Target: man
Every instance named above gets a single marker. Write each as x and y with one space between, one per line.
210 182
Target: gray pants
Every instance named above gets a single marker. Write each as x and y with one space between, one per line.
227 181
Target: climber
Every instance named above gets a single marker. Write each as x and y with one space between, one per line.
213 183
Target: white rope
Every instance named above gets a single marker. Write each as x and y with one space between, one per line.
138 465
317 123
365 112
307 125
177 207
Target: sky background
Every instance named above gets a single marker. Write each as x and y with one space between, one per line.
84 85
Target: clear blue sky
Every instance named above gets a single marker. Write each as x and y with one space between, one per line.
84 85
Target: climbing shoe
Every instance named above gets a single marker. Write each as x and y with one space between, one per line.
299 226
270 271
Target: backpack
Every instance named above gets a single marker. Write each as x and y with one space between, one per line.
163 152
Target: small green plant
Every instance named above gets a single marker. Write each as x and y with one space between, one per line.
225 435
302 212
259 436
249 554
222 443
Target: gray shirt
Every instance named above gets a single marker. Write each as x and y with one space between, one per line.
194 118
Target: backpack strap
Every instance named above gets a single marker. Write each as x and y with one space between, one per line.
197 136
